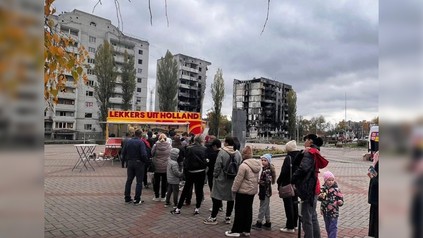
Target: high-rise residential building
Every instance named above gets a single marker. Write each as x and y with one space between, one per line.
192 75
76 115
265 103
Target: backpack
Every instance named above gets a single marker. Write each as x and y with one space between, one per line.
231 167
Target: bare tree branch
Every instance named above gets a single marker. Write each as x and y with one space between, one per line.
99 1
151 15
267 16
167 18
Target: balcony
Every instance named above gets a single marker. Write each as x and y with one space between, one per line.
121 50
116 100
189 69
187 77
67 95
71 84
66 107
64 118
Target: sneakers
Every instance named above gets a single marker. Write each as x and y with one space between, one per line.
175 211
245 234
232 234
210 221
220 209
136 203
267 225
257 226
167 205
196 211
163 200
129 201
156 199
287 230
227 220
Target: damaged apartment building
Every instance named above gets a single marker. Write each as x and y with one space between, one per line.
265 103
192 75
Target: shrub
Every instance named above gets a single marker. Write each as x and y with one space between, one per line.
362 143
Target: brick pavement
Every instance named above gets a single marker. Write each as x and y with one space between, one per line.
90 203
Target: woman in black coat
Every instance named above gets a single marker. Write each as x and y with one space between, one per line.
374 197
290 204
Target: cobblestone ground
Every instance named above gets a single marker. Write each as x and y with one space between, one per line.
90 203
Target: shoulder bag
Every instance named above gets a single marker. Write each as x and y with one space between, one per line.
287 190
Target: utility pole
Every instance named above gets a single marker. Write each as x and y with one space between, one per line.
151 99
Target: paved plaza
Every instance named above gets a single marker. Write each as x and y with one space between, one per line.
91 203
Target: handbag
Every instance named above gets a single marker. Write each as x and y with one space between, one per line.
287 190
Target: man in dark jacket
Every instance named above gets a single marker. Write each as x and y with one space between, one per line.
306 181
134 152
195 164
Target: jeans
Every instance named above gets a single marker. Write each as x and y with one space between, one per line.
331 224
264 211
291 211
157 178
196 179
243 213
135 169
172 188
309 217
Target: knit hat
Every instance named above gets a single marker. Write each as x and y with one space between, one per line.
327 175
247 152
268 157
291 146
174 153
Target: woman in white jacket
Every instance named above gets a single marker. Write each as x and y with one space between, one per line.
245 187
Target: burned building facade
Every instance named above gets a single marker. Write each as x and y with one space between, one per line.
265 103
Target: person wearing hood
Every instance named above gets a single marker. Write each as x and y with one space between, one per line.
305 179
290 164
160 153
174 175
245 187
222 184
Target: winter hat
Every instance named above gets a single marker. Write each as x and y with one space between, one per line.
327 175
291 146
316 140
247 152
174 153
268 157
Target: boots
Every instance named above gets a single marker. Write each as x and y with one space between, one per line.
257 226
267 225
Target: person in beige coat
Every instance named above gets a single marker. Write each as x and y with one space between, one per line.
245 187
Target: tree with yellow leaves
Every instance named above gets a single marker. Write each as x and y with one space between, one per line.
60 57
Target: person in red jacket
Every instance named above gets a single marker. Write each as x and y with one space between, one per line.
306 182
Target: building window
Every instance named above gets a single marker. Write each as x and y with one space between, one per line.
64 125
92 39
139 80
89 93
88 115
138 99
199 77
89 104
140 52
91 49
140 71
138 90
90 83
91 61
199 69
88 127
140 61
90 71
93 24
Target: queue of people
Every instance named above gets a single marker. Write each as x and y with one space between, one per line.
197 163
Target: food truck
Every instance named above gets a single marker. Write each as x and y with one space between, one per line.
119 122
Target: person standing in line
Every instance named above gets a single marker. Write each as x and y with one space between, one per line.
161 153
373 196
122 144
195 166
290 164
135 154
174 174
306 181
222 184
213 148
267 178
331 199
245 187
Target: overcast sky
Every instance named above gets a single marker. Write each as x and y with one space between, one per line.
324 49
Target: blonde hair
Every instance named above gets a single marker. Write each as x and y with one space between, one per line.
162 137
